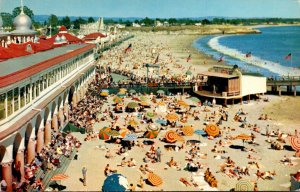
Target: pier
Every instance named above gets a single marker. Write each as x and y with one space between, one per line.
288 84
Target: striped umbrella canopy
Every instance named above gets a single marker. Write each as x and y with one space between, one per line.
132 122
154 179
123 90
104 133
172 117
123 132
212 130
105 90
59 177
132 91
153 127
151 134
130 137
150 115
117 99
243 137
143 98
160 92
144 103
132 105
244 185
104 94
114 133
295 143
171 136
121 94
188 130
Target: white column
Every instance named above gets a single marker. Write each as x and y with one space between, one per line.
6 105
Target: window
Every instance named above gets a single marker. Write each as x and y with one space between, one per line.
22 97
37 90
2 106
27 93
9 103
32 91
16 99
41 84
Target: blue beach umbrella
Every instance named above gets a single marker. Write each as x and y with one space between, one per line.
130 137
115 182
200 132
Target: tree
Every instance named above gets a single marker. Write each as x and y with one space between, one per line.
66 22
27 11
91 20
7 19
78 22
205 22
53 20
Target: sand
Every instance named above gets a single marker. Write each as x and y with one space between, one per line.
282 110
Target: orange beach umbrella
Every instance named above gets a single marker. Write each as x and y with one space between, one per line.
212 130
172 117
154 179
171 136
188 130
59 177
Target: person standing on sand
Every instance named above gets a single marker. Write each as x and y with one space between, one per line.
84 171
158 153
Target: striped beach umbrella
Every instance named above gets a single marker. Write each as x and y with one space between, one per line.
123 132
161 103
59 177
132 122
130 137
121 94
244 185
117 99
243 137
144 103
172 117
143 98
188 130
154 179
150 115
153 127
105 90
104 94
132 105
171 136
295 143
212 130
151 134
181 102
114 133
104 133
123 90
132 91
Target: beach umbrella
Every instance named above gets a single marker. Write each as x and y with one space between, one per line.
154 179
244 185
132 91
295 143
132 122
104 133
123 90
172 117
243 137
105 90
150 115
194 99
188 130
153 127
212 130
151 134
113 133
132 105
144 103
161 103
171 136
123 132
130 137
160 91
143 98
188 72
181 102
117 99
104 94
121 94
200 132
59 177
115 182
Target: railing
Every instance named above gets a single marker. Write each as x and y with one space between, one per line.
283 79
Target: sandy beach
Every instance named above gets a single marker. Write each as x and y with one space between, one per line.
173 53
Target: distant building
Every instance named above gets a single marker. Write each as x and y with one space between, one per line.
229 83
97 26
158 23
136 25
166 24
198 24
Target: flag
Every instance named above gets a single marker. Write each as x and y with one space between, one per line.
128 48
156 60
189 58
288 57
221 59
249 54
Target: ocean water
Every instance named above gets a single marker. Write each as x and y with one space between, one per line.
268 50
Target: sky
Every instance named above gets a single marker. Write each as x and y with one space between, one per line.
160 8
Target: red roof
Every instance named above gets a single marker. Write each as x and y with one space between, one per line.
29 71
8 53
93 36
70 38
63 28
